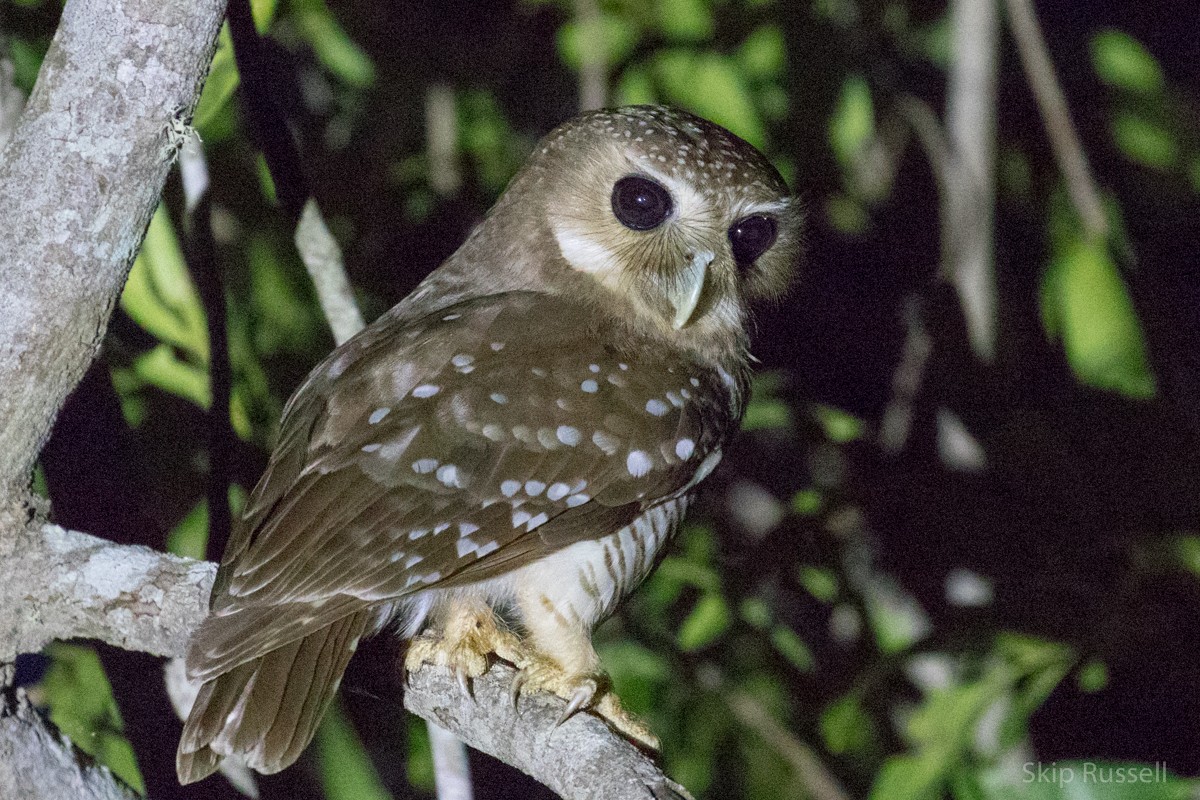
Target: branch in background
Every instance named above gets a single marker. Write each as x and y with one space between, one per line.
1064 139
582 759
441 140
818 781
593 69
323 259
968 195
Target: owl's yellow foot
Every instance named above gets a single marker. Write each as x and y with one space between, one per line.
581 691
470 635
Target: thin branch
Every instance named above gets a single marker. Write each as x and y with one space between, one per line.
1052 102
582 759
818 781
441 140
969 194
593 68
323 258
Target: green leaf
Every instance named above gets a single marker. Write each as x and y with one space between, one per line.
763 55
708 620
420 755
808 502
1124 63
1144 141
607 39
711 85
1085 302
839 427
331 44
162 369
159 295
685 20
846 726
852 125
346 771
792 647
82 706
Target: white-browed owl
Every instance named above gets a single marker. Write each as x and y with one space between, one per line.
519 436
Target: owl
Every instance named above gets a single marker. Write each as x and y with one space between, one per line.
495 463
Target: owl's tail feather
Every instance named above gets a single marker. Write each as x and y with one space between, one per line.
267 710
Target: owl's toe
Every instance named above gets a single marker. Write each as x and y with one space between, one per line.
590 692
466 644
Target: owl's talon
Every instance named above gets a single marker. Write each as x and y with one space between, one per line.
514 690
464 683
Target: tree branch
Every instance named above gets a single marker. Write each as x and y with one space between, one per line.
64 584
78 183
582 759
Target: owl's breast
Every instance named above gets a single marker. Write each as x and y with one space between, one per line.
584 582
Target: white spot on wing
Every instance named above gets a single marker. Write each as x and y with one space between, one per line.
557 491
448 475
577 500
638 463
371 448
497 397
684 448
377 416
590 386
534 488
426 390
568 435
424 466
509 488
609 444
466 528
657 407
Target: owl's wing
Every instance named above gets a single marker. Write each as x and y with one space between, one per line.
451 449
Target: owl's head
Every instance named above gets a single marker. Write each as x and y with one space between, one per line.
668 211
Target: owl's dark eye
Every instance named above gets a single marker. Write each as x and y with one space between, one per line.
751 237
640 203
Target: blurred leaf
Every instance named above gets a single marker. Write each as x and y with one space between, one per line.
1121 61
846 214
219 86
1093 677
160 368
635 88
496 150
82 706
711 85
709 619
685 20
286 317
755 612
189 537
1085 302
846 726
839 427
346 770
852 125
762 56
159 295
420 755
332 46
1144 141
638 673
820 583
792 647
808 502
606 39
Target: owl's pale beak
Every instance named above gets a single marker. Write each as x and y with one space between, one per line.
685 294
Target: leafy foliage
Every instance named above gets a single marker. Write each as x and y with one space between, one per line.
837 610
